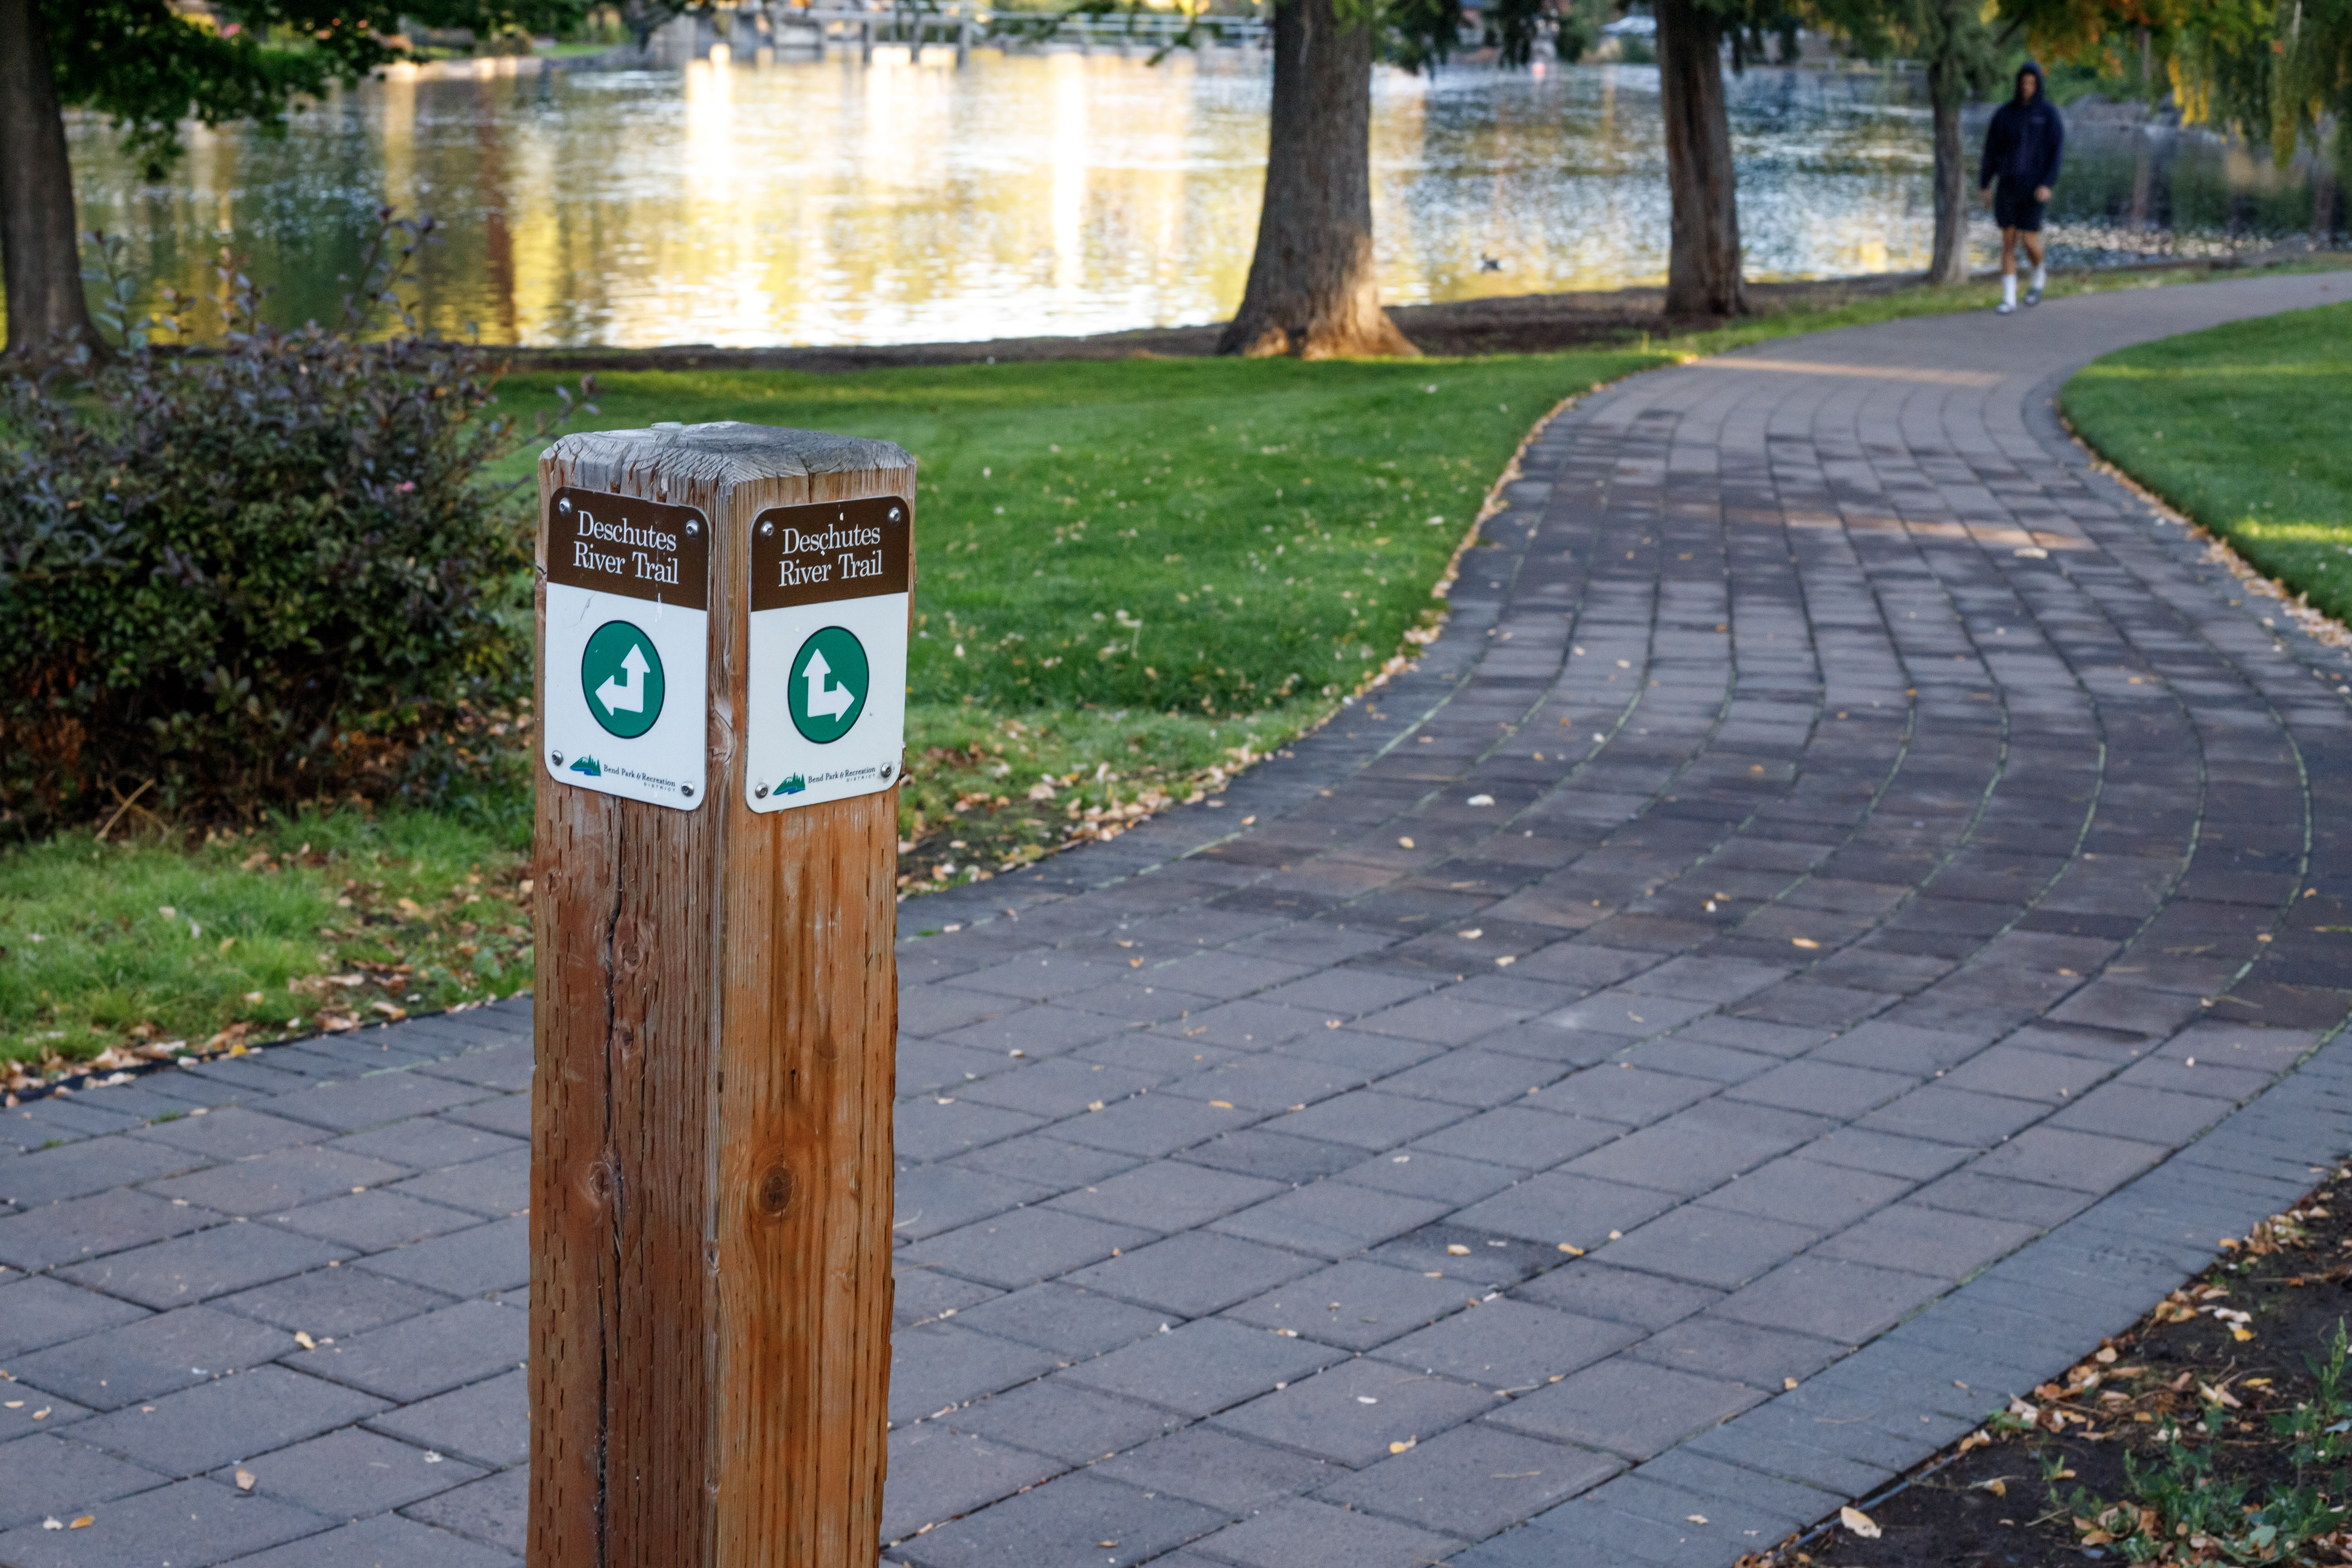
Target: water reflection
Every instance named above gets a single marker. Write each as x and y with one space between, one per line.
830 202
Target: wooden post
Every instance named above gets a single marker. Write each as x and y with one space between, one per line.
716 1014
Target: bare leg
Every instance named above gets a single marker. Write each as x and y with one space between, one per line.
2008 237
2033 249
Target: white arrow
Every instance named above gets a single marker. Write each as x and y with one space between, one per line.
830 704
630 699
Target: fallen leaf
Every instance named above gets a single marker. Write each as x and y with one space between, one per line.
84 1523
1996 1486
1507 961
1400 1447
53 1524
1404 843
305 1341
1455 1249
1695 1518
1859 1522
1787 1382
1802 941
1473 934
1571 1251
244 1480
1223 1104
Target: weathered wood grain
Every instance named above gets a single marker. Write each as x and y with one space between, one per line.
717 1012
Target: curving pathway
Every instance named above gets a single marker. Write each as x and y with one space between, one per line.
1812 947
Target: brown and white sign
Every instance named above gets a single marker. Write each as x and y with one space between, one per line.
826 688
628 613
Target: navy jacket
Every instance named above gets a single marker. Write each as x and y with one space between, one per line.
2024 141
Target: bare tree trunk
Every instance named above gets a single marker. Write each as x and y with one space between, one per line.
1947 91
1703 260
42 261
1312 290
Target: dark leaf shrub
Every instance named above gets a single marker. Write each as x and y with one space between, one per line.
240 579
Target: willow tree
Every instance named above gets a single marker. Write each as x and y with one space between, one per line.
2274 71
148 69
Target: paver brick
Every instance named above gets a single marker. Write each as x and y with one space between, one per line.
1226 1472
1065 1522
40 1312
1628 1409
233 1133
268 1183
470 1262
424 1355
1201 1367
1194 1272
190 1524
1300 1532
940 1365
486 1424
91 1165
152 1356
45 1476
1472 1481
209 1263
1069 1423
493 1187
936 1473
225 1418
492 1510
1351 1414
94 1226
1509 1344
384 1539
351 1473
1166 1195
1024 1245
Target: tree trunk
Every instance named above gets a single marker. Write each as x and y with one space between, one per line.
1947 91
43 263
1703 260
1312 290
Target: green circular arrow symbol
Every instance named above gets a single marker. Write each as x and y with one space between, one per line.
621 673
827 686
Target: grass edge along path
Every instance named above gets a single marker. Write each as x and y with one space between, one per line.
2258 461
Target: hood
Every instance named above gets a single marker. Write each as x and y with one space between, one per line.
2041 84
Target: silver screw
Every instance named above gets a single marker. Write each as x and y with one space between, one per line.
759 794
564 503
559 759
692 527
768 529
894 514
687 789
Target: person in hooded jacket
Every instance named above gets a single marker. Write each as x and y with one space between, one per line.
2021 152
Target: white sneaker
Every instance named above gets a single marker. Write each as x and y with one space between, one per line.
2004 308
2034 296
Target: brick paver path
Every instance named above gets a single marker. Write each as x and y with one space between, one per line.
1840 849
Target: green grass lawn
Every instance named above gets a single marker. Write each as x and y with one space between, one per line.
321 922
1130 574
2244 428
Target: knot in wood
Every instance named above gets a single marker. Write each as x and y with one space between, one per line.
601 1182
772 1194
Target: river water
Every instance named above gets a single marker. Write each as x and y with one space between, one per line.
907 201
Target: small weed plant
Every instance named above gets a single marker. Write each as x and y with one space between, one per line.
2177 1508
